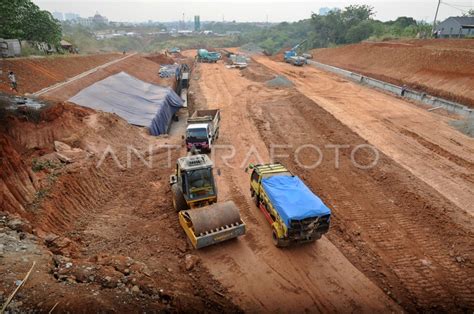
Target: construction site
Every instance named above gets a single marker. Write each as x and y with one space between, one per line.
98 212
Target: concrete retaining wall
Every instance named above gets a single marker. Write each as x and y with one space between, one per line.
414 95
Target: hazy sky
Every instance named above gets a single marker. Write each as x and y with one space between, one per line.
247 10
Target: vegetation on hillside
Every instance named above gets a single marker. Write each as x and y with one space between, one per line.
22 19
350 25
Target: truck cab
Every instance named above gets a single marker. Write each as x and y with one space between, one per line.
294 212
198 136
202 130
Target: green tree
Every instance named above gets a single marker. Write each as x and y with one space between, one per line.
352 24
469 13
359 32
355 14
22 19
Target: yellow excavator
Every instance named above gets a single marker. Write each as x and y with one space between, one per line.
205 221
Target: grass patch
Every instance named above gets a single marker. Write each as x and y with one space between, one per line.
51 179
43 165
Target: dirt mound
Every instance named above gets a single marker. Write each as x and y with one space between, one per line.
22 141
440 67
18 184
34 74
256 73
103 223
57 121
279 81
280 54
160 58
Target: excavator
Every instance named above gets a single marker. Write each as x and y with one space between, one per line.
204 220
291 56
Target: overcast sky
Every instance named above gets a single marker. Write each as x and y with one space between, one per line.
247 10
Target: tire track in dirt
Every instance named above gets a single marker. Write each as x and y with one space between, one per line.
439 150
313 277
381 119
397 230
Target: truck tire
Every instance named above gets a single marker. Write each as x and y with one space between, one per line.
277 241
257 201
179 203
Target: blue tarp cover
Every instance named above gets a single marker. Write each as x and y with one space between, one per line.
293 199
136 101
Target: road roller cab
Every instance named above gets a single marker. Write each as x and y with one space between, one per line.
193 182
194 197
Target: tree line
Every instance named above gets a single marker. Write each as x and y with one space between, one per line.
352 24
24 20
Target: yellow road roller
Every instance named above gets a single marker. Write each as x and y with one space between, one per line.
194 193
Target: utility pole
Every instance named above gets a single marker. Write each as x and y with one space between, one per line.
436 17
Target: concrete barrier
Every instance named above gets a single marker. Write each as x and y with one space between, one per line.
410 94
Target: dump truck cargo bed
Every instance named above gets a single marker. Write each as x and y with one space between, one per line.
293 199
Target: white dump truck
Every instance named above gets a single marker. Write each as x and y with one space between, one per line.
202 130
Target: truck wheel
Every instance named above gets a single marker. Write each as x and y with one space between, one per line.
277 241
179 203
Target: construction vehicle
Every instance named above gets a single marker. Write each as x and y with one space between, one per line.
182 82
291 56
202 130
237 61
10 48
295 214
174 50
297 60
207 56
204 221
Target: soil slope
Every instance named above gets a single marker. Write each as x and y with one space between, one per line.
442 68
103 234
34 74
138 66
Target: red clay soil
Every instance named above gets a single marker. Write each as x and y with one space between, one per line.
396 229
18 184
441 67
103 237
138 66
280 54
160 58
34 74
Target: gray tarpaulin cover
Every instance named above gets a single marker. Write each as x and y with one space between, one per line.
136 101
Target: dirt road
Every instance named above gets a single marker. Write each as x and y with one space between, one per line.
261 277
422 142
402 233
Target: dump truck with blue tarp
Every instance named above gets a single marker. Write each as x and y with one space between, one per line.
295 213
